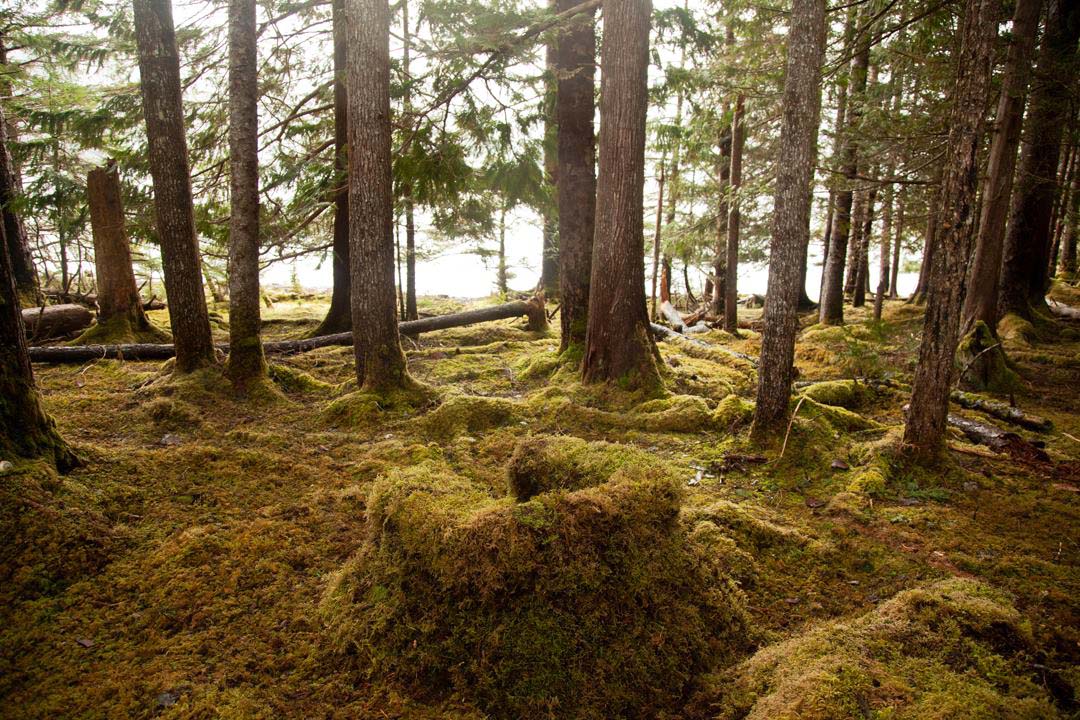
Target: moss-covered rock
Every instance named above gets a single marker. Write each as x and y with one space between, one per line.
588 604
953 649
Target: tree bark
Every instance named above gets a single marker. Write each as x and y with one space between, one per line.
982 297
338 317
832 293
159 70
925 427
894 272
862 267
117 292
731 271
410 211
246 363
791 216
886 252
575 106
1067 258
549 264
723 178
619 345
654 306
26 430
52 321
1027 241
17 242
380 362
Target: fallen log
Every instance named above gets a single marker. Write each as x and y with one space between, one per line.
673 316
1062 310
1002 411
89 300
532 309
662 332
52 321
996 439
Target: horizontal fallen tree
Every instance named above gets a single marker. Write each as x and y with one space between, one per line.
53 321
532 309
1001 411
662 332
998 440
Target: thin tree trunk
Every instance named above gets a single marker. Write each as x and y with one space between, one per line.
862 274
981 301
17 242
159 70
338 317
723 176
1067 265
380 362
549 264
1061 202
656 236
1027 241
501 276
791 214
117 293
619 345
731 276
886 252
26 431
246 363
894 273
933 216
575 106
832 294
410 213
925 427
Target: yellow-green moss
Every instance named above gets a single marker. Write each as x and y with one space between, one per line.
460 414
983 362
294 380
732 413
1013 329
573 603
840 418
848 394
118 330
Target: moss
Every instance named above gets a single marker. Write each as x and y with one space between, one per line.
172 414
544 463
365 407
983 362
293 380
1015 330
849 394
119 330
953 649
840 418
459 414
733 412
573 603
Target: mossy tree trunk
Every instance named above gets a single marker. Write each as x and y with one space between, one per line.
575 106
159 71
832 291
26 431
1027 241
380 362
339 318
619 346
661 178
119 304
925 427
981 301
17 242
246 364
791 216
731 272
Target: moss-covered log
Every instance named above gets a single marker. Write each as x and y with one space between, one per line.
1001 411
52 321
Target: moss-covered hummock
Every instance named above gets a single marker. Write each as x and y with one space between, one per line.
120 330
584 603
952 649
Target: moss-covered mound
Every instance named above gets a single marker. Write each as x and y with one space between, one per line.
953 649
586 603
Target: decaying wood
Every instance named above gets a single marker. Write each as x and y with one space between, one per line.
52 321
532 309
1002 411
1063 311
997 439
672 316
662 332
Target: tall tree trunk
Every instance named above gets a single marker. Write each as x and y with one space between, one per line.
159 70
549 263
17 242
1027 241
886 252
894 273
723 177
619 346
791 214
1067 264
1061 202
502 276
118 298
933 218
731 277
26 431
246 363
575 106
925 427
380 362
661 178
862 270
832 293
410 211
837 152
982 297
338 317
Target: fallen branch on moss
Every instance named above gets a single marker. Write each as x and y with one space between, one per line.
662 332
532 309
1001 411
997 439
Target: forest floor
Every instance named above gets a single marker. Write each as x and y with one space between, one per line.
184 571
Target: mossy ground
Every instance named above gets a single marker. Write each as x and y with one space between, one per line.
184 571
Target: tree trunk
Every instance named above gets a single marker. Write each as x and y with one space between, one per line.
118 301
731 277
886 252
159 70
832 293
619 345
380 362
549 264
1061 202
246 362
723 176
925 427
338 317
982 297
894 273
656 236
862 268
1027 248
1067 265
26 431
791 216
502 276
933 216
410 211
17 242
575 106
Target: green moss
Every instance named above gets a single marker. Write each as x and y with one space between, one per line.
953 649
459 414
840 418
119 330
172 414
365 407
572 603
733 412
545 463
848 394
1015 330
294 380
983 362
